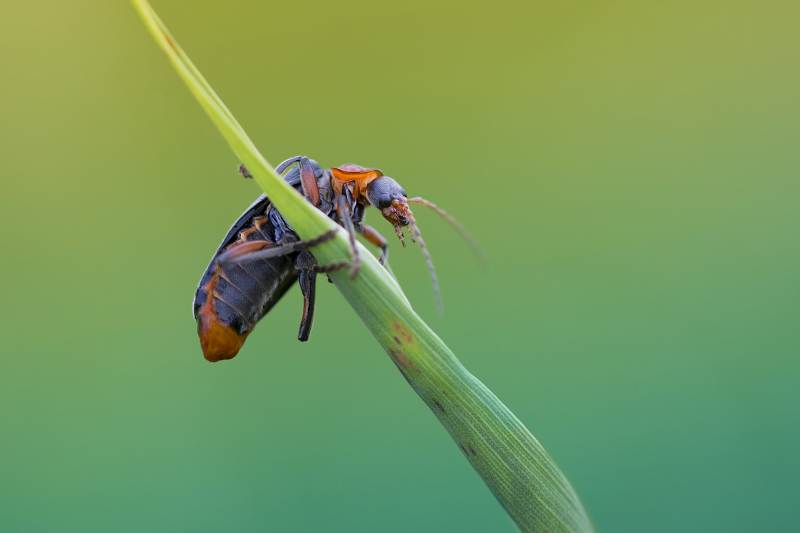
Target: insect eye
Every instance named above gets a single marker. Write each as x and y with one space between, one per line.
384 201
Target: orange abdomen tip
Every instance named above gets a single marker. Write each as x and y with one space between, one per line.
218 340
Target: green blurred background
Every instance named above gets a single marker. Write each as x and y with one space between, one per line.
631 169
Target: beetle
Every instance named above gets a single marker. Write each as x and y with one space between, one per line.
261 256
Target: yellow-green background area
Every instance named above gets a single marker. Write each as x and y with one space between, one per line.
631 169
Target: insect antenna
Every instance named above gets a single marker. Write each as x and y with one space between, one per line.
413 223
473 244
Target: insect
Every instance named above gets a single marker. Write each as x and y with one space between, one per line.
261 256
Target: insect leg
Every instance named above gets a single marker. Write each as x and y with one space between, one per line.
372 235
324 269
308 282
308 268
307 177
309 181
252 250
343 209
320 269
279 169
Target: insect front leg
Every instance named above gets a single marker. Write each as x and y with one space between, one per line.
372 235
343 210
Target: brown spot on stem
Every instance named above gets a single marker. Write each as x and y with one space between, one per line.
402 359
439 406
464 449
396 340
473 451
403 332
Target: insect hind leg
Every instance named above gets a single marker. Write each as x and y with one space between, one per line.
255 250
308 285
308 268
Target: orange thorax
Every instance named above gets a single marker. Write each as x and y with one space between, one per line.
356 178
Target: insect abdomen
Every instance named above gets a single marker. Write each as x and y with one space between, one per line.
232 299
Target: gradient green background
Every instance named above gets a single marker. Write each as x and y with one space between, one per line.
631 169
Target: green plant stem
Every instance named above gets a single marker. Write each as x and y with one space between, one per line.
525 480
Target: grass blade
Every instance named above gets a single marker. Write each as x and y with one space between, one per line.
510 460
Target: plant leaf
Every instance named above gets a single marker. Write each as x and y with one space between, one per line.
517 469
